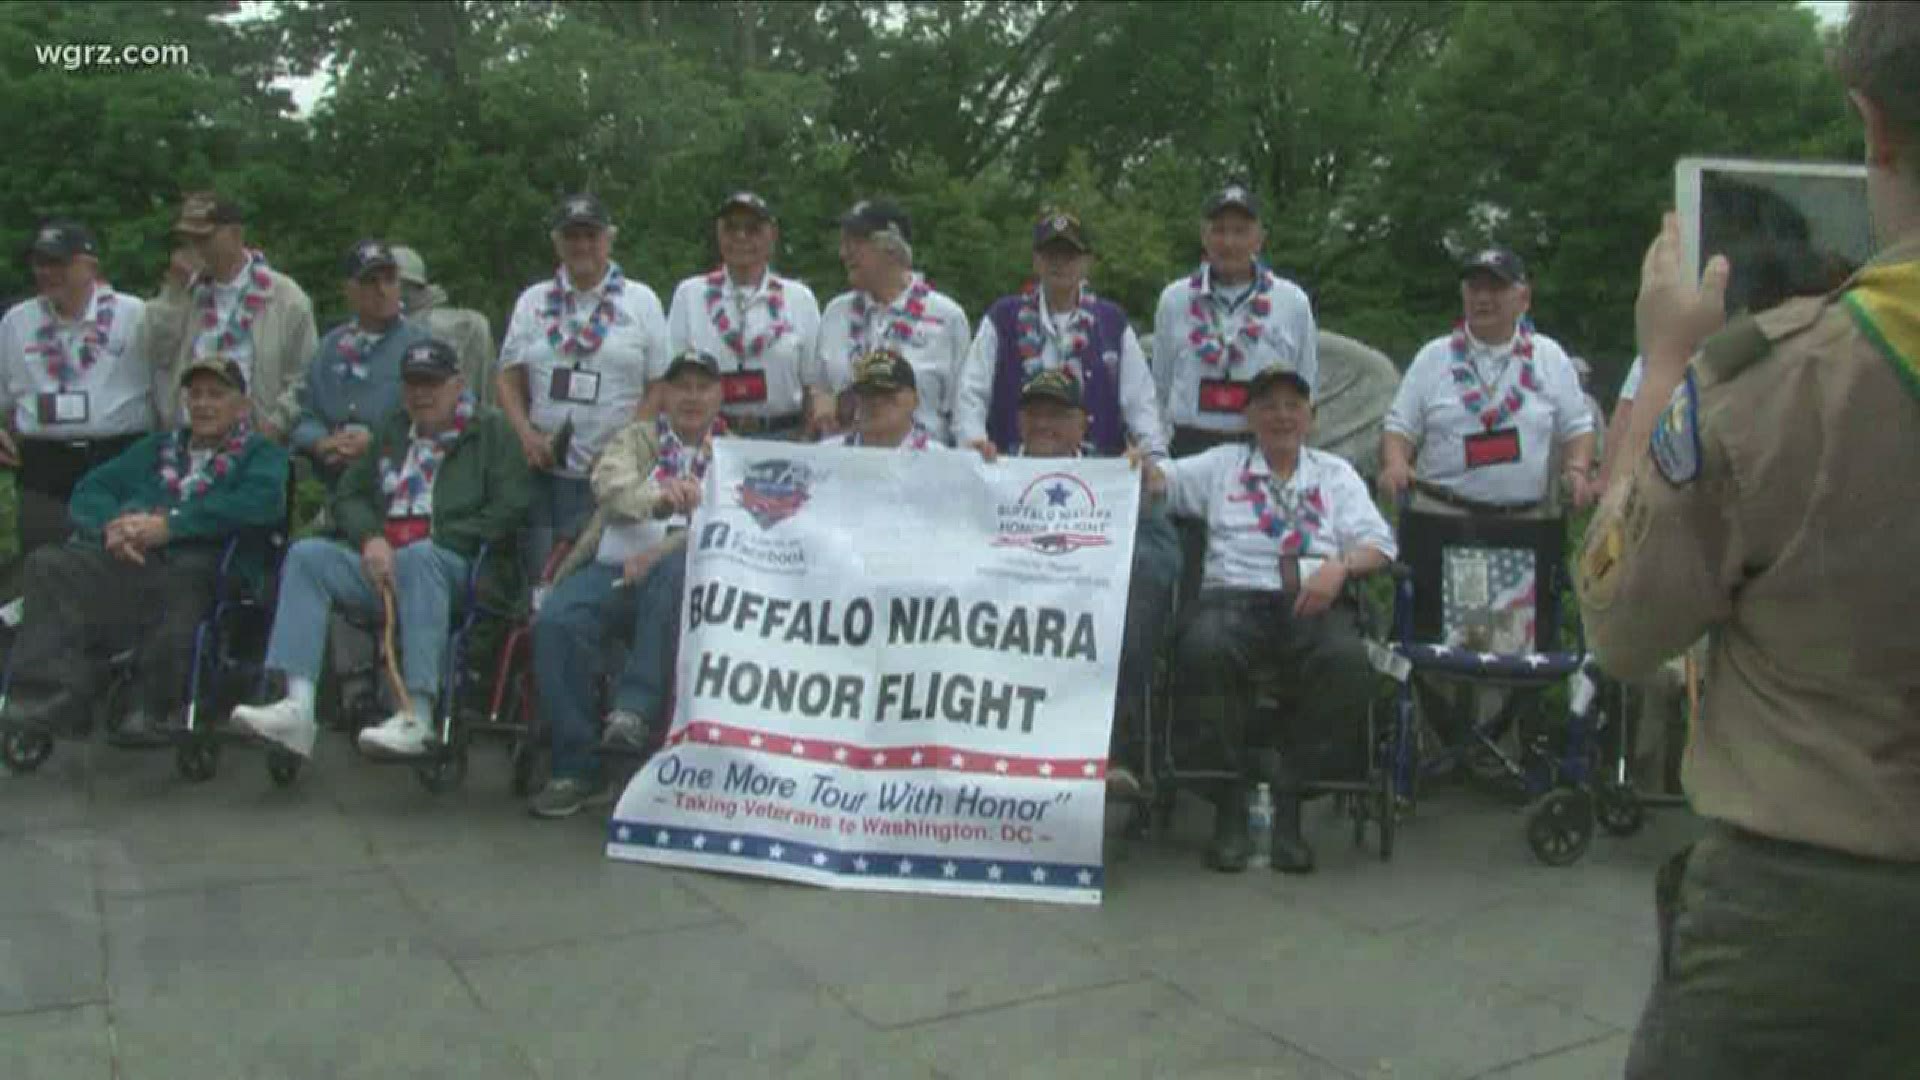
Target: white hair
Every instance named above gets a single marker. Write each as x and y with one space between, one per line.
892 243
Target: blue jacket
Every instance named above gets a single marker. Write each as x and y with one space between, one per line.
328 399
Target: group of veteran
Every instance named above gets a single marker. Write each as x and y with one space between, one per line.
608 404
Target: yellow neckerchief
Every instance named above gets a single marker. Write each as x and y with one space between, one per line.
1885 301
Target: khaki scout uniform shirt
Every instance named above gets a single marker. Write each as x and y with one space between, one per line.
1796 546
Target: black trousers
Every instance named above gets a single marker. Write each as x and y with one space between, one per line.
83 605
49 471
1235 640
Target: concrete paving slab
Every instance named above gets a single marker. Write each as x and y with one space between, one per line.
47 872
1605 1059
59 1044
50 960
699 1003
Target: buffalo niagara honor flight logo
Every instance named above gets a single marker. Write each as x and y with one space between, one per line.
774 491
1056 515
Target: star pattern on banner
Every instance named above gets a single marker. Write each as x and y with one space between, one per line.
752 847
855 756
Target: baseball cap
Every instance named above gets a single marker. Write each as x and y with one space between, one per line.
581 209
367 256
745 200
1268 376
883 370
1234 196
432 359
226 367
1061 228
693 358
869 216
1053 384
413 268
201 212
1501 262
62 238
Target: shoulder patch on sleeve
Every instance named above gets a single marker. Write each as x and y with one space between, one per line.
1676 440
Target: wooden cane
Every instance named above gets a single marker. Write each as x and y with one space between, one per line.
398 684
1691 673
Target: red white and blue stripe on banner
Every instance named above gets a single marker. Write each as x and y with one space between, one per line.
716 848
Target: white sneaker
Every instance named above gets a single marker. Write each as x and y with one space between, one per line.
284 722
402 735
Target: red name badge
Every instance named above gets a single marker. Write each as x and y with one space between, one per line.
744 388
1223 396
1500 447
408 530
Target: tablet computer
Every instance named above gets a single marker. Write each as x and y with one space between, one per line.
1790 228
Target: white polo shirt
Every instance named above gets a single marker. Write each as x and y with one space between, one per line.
917 439
113 394
935 343
1428 411
1325 500
1283 337
635 343
773 375
1139 401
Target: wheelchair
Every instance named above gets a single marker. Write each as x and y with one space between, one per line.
227 669
1477 606
1369 801
469 702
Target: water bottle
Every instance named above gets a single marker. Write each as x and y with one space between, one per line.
1260 825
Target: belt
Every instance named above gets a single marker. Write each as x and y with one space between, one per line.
762 425
1194 440
1472 506
1243 599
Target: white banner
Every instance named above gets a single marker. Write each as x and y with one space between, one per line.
896 672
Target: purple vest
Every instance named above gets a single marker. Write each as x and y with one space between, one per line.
1099 390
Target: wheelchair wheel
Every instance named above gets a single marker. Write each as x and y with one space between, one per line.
197 760
445 771
1619 810
25 751
283 768
1560 826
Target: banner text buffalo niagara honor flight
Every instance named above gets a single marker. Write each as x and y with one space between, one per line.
903 697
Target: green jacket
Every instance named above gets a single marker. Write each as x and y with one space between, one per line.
480 496
250 498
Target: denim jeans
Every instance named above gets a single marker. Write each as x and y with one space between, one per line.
569 654
560 508
428 582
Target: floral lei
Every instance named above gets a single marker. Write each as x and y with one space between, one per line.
48 342
736 336
1474 394
1296 530
413 475
1032 340
900 330
671 462
353 346
253 298
587 338
177 474
1206 338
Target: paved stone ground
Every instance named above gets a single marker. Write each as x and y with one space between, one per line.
355 926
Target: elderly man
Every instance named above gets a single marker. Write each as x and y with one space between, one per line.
889 307
354 380
468 331
1287 527
887 413
149 529
443 479
627 573
222 298
759 325
1053 423
1057 323
74 381
574 366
